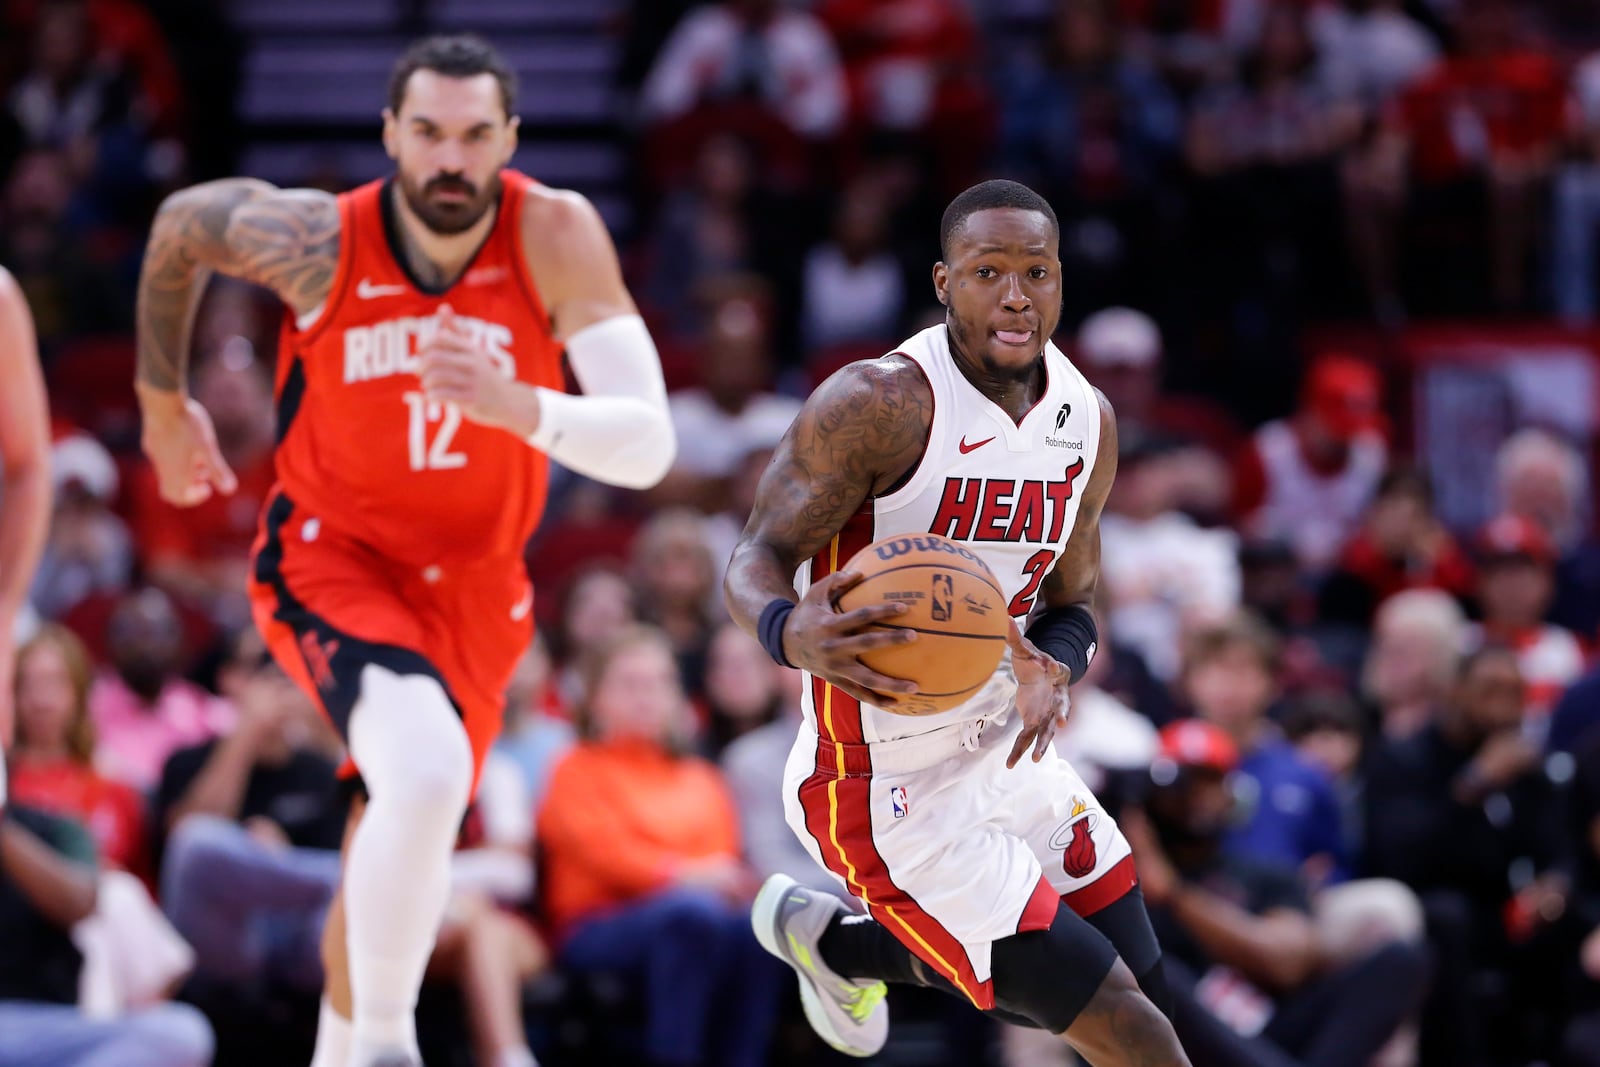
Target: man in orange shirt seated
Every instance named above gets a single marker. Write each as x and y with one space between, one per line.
641 868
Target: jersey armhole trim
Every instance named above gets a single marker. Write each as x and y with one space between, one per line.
530 288
908 484
1092 396
317 320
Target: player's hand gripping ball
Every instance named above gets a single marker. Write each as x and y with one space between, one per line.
950 599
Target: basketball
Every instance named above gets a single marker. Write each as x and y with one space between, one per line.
953 603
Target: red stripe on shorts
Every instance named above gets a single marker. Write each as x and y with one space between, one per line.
838 814
1105 890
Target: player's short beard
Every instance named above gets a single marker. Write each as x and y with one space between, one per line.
447 220
976 351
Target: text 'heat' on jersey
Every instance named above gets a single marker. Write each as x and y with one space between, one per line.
1008 491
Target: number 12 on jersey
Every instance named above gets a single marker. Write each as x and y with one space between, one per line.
435 456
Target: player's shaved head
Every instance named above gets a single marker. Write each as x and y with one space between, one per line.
458 55
998 193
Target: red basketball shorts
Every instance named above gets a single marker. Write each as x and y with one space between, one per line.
328 606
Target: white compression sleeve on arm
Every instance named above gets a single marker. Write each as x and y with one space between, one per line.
618 431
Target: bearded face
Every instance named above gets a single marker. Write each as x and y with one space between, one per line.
449 140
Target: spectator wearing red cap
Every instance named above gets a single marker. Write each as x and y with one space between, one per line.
1516 582
1252 984
1308 478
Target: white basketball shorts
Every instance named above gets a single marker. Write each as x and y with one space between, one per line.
949 849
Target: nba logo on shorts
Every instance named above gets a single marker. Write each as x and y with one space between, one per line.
897 797
943 594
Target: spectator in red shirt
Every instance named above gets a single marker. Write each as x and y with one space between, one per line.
202 553
1308 478
1401 545
53 762
912 67
1483 125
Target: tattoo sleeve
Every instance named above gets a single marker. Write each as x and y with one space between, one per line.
861 431
285 240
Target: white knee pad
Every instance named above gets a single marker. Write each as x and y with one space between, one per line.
409 743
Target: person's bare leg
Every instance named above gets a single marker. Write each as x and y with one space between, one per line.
499 955
1121 1027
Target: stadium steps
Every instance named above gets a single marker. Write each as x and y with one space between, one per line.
315 73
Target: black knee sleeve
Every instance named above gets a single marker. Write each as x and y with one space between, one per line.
1126 924
1049 976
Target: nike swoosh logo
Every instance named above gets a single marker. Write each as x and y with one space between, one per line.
964 448
520 609
368 290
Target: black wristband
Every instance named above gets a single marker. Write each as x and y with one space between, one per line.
770 629
1069 634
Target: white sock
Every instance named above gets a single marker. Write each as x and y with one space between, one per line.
417 764
516 1057
333 1038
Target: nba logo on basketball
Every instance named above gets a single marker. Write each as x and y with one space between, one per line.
897 797
940 606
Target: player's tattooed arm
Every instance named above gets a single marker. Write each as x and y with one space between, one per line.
1077 570
860 432
284 239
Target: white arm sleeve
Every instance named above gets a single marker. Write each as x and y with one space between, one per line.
618 431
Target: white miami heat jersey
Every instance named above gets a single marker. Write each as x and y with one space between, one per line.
1008 491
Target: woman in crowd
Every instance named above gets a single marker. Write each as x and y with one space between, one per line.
53 761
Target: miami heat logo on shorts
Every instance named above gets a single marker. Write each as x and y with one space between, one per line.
1075 839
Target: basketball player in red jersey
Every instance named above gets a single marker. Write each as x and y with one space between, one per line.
990 876
419 394
24 482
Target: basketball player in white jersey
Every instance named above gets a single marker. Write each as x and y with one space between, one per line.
994 877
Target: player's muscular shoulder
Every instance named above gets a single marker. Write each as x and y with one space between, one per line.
284 239
859 433
571 258
869 422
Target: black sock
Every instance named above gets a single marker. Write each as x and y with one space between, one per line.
858 947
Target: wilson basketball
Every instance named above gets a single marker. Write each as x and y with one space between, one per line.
953 603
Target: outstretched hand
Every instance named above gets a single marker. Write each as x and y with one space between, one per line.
182 446
1042 699
828 643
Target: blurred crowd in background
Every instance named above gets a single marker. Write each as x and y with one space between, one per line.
1334 263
